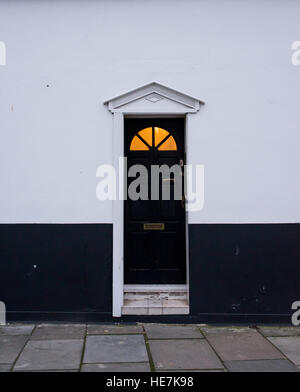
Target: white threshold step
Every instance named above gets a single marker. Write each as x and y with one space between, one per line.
155 306
138 288
139 296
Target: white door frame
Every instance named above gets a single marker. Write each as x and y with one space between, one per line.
154 100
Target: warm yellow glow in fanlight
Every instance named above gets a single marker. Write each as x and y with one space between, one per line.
147 138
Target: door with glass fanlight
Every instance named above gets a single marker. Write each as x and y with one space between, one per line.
154 212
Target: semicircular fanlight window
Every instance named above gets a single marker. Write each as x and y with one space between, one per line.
138 145
156 138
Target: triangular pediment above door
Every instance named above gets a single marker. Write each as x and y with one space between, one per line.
154 98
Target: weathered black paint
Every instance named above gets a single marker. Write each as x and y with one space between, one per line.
56 271
239 273
244 272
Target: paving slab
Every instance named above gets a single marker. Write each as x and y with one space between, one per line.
50 371
183 354
290 346
4 368
10 347
59 332
191 371
116 367
243 345
14 329
50 355
115 349
218 330
166 331
269 365
99 329
280 331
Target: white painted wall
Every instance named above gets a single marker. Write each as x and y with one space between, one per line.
235 55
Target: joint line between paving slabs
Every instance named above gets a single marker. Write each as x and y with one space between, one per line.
22 349
277 348
208 342
83 348
151 362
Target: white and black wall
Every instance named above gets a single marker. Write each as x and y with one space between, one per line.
63 60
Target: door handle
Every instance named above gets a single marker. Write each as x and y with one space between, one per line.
183 202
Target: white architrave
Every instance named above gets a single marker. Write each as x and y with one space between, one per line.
149 100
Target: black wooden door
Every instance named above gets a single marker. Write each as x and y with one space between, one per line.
154 240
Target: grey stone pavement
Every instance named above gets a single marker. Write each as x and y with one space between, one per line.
148 348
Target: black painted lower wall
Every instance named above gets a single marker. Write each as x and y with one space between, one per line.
244 272
56 271
239 273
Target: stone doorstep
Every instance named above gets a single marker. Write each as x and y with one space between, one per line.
155 296
140 300
129 288
141 292
154 306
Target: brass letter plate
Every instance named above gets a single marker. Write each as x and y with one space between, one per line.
154 226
